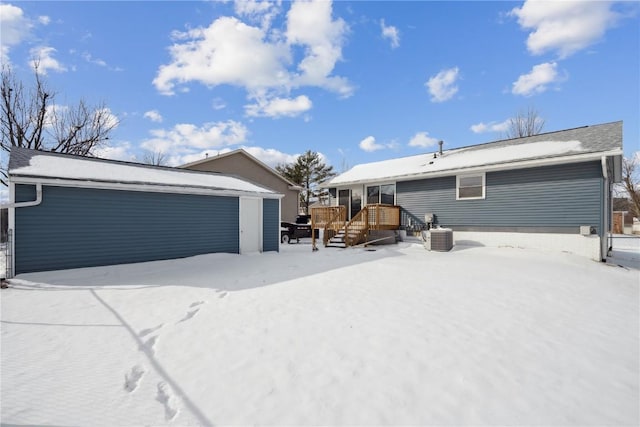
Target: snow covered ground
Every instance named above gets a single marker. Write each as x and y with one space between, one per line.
399 335
625 250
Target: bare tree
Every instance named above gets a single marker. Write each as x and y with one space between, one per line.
525 123
30 118
631 182
155 158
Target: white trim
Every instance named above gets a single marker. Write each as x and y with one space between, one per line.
579 158
380 184
11 225
151 188
469 175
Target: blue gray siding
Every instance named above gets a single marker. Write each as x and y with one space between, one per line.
78 227
550 198
270 225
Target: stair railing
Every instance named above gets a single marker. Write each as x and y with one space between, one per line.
357 229
335 223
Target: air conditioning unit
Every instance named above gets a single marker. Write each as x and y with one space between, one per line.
438 239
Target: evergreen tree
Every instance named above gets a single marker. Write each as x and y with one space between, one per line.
308 171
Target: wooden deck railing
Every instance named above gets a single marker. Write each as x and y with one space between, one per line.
384 217
372 217
330 218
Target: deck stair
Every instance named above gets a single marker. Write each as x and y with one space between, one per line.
338 232
337 241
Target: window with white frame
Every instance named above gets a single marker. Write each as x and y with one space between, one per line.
384 194
470 186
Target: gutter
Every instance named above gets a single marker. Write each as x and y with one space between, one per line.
30 203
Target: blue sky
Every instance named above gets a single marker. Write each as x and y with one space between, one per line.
356 81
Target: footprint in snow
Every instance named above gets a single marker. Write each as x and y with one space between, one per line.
195 304
148 331
222 294
165 396
133 377
189 315
149 345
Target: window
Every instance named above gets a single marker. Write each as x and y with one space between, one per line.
385 194
470 187
373 195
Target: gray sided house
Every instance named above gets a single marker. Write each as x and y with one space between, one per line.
243 164
549 191
69 212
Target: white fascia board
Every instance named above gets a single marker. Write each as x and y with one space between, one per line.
151 188
579 158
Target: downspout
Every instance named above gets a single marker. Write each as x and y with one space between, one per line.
11 211
30 203
606 244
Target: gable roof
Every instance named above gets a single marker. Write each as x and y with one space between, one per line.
242 152
567 146
26 164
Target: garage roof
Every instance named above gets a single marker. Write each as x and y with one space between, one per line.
27 164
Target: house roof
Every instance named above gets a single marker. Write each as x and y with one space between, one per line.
25 163
566 146
243 152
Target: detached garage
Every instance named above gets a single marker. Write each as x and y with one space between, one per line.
69 212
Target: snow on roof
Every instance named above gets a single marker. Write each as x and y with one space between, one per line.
31 163
454 159
589 139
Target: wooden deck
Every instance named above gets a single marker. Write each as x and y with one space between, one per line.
333 220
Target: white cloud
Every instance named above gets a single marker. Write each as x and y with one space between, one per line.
390 32
279 107
271 156
537 80
87 57
423 140
43 57
226 52
369 145
110 119
187 138
490 127
564 26
115 151
14 28
153 115
218 104
44 20
442 86
261 11
260 59
309 24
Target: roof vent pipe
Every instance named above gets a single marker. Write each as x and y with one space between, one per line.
440 144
